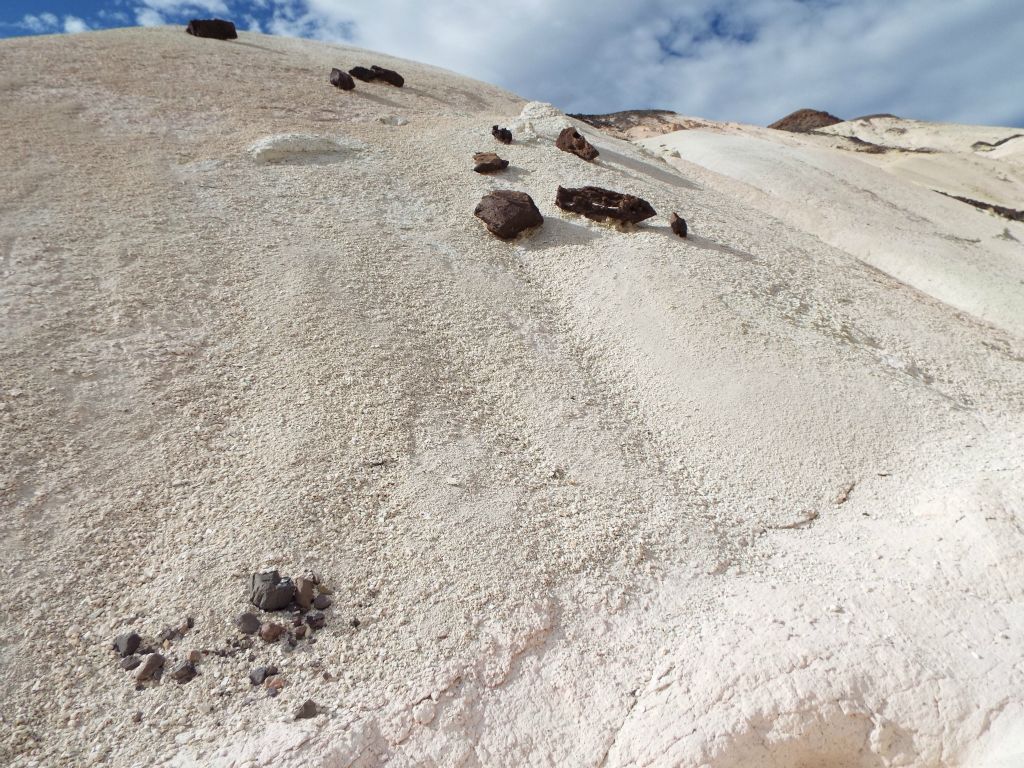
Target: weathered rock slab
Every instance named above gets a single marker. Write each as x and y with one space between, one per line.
507 213
603 204
488 162
343 80
571 140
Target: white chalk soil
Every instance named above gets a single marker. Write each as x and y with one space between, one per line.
592 497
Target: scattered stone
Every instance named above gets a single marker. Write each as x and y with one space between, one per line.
183 672
271 592
504 135
307 710
602 204
507 213
274 683
151 668
259 675
323 589
488 162
316 620
271 632
131 662
300 632
343 80
189 623
247 623
571 140
127 644
303 593
297 619
388 76
322 602
678 224
218 29
354 623
364 74
137 716
168 635
195 656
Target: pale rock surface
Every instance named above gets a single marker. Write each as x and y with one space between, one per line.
601 498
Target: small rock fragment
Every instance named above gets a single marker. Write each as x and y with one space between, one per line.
131 662
127 644
354 623
260 674
274 684
571 140
316 620
342 80
504 135
322 602
183 672
270 592
194 656
300 632
168 635
507 213
678 224
601 204
307 710
137 716
364 74
488 162
151 667
218 29
303 593
247 623
271 632
388 76
425 712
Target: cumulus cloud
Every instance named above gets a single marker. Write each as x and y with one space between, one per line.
147 17
73 25
41 23
753 61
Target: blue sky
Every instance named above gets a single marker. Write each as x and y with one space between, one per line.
750 60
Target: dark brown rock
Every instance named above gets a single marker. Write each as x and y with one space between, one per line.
805 120
507 213
270 592
271 632
307 710
343 80
247 623
488 162
130 662
218 29
303 593
602 204
388 76
183 672
678 224
322 602
151 668
504 135
364 74
571 140
316 620
260 674
127 644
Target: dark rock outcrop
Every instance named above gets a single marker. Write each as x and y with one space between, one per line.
804 120
571 140
127 644
364 74
507 213
602 204
488 162
504 135
270 592
218 29
678 224
639 123
388 76
342 80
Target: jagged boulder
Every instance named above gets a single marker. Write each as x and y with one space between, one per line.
388 76
504 135
218 29
364 74
488 162
603 204
343 80
571 140
507 213
678 224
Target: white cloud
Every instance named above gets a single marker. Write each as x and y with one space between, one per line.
147 17
74 25
41 23
753 61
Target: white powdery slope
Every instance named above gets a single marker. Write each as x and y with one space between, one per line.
883 208
596 497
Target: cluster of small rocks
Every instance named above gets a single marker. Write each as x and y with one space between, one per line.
148 663
507 213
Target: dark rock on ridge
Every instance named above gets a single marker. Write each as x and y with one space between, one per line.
342 80
571 140
270 592
218 29
507 213
364 74
504 135
127 644
678 224
488 162
602 204
388 76
804 120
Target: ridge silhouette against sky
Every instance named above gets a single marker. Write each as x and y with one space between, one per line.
752 61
